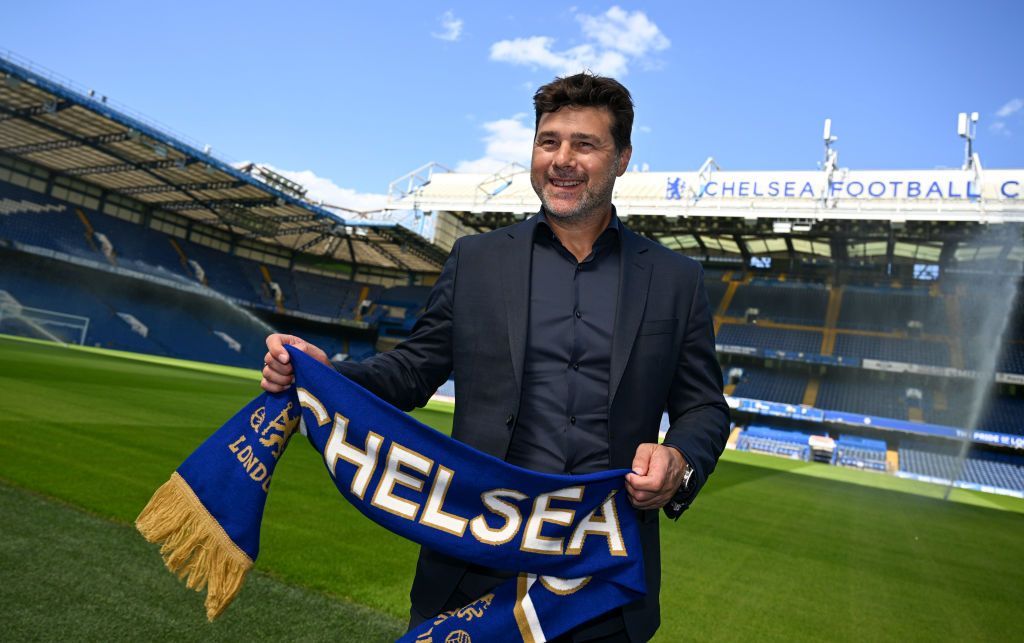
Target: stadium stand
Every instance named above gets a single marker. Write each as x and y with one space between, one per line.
862 395
886 309
1004 415
1012 360
802 341
789 444
860 453
162 265
785 302
178 324
772 385
934 460
911 351
716 290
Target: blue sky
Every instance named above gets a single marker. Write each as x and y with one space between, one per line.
347 96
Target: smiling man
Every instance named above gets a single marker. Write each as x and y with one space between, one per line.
568 335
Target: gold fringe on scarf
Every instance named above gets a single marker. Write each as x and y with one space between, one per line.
193 544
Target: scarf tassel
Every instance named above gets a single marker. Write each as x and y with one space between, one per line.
193 545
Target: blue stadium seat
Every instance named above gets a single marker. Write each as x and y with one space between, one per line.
911 351
802 341
861 395
886 309
1000 470
860 453
771 385
788 444
786 302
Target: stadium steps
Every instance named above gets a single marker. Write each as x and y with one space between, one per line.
811 392
734 437
835 303
363 293
956 353
267 280
183 258
723 305
892 460
89 230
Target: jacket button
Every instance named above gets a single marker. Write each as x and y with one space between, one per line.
508 421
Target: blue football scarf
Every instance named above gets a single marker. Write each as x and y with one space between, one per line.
573 539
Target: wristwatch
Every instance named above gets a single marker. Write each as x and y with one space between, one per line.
681 501
687 479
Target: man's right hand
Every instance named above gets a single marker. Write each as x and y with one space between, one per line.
278 373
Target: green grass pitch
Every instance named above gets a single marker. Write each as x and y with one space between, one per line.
773 550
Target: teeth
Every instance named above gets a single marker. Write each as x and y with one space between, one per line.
565 184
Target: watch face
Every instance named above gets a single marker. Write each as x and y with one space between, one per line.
687 477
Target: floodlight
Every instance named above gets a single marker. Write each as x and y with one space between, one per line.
974 117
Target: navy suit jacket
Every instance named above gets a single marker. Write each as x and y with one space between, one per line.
474 326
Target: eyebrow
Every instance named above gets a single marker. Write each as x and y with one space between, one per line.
575 136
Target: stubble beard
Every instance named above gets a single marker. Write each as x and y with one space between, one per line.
592 204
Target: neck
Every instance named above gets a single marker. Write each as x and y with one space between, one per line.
578 236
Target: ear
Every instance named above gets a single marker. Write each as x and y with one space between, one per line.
624 157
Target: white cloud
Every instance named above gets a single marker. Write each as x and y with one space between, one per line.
631 33
323 189
1011 107
615 40
643 129
536 51
507 140
999 127
451 27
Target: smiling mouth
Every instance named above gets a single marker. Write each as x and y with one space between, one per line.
565 183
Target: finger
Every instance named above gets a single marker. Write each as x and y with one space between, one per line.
647 500
272 363
280 379
274 346
271 387
642 459
657 469
652 504
276 343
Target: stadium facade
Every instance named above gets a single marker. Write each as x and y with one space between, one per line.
864 318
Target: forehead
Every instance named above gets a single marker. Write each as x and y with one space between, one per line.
590 121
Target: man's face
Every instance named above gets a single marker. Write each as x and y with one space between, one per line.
575 162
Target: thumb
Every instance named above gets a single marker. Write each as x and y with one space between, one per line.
642 459
290 340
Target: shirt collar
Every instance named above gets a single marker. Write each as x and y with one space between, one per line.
613 228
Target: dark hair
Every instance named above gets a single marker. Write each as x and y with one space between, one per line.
589 90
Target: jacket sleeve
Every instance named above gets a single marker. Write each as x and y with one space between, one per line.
409 374
698 414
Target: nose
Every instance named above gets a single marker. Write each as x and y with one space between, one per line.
564 156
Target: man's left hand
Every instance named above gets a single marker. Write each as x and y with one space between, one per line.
657 475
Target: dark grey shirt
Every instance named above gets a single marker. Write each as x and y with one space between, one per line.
563 419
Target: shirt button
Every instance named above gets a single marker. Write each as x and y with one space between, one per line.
576 366
572 420
578 314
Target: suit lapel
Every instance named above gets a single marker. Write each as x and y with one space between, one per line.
515 282
634 282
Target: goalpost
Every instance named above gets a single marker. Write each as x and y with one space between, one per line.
55 326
